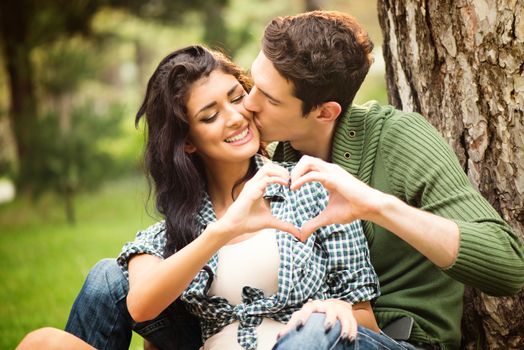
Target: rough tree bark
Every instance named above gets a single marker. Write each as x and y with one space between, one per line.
460 63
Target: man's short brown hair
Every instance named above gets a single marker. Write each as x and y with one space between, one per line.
324 54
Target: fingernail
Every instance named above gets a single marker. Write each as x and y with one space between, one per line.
299 325
278 336
344 335
327 326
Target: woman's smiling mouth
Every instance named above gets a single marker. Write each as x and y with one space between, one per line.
238 137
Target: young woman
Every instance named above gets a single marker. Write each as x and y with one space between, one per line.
228 245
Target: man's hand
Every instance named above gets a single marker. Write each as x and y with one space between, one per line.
349 198
436 237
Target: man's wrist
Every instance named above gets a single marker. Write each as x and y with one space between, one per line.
382 206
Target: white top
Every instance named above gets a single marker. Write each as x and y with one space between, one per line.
252 262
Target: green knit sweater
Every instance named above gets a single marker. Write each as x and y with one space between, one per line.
402 154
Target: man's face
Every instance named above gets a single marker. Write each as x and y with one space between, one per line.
277 111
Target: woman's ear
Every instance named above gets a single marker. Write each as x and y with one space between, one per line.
189 147
329 111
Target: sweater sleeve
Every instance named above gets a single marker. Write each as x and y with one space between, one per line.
424 172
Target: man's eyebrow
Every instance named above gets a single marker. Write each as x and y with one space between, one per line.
212 104
268 95
262 91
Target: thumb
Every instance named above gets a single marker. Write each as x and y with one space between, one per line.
284 226
310 226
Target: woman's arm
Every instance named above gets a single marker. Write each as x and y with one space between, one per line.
155 283
365 317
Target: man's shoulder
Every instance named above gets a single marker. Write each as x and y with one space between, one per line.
373 110
376 119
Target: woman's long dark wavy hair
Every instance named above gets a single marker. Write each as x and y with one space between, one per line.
178 177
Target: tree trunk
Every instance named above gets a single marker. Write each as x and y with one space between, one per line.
17 49
460 64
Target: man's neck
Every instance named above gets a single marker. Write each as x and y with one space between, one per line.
317 144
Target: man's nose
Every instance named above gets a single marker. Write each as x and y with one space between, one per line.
250 102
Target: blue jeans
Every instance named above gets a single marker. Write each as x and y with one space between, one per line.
312 336
99 315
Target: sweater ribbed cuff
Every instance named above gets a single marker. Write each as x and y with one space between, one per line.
483 262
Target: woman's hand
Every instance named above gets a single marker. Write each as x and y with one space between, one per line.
333 308
249 212
349 198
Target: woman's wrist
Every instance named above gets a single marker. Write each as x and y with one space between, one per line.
218 233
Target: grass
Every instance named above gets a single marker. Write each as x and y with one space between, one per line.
45 260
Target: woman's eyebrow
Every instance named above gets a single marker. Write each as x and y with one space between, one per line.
211 104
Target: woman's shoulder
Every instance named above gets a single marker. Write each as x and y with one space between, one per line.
154 229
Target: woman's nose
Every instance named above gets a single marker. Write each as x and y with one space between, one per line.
236 115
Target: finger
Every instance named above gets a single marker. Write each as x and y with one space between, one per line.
274 169
258 185
312 225
332 314
283 226
307 164
347 322
297 182
284 181
352 335
296 321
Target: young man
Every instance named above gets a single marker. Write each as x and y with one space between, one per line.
428 230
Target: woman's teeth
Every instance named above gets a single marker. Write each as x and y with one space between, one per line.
238 137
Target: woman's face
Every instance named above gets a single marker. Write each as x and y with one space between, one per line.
220 128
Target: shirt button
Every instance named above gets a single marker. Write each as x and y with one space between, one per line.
352 133
347 155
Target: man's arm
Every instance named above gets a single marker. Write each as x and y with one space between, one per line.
424 172
351 199
473 239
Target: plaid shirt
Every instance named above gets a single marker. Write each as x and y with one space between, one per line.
332 263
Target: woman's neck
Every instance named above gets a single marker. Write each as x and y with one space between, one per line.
221 179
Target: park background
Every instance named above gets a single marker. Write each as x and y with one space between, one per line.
73 73
85 193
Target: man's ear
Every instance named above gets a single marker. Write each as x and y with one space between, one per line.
328 111
189 147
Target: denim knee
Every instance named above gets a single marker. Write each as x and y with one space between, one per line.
99 314
105 279
312 335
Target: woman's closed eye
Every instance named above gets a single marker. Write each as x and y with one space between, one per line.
238 98
211 118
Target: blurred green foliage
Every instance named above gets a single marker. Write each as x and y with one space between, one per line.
45 260
73 161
